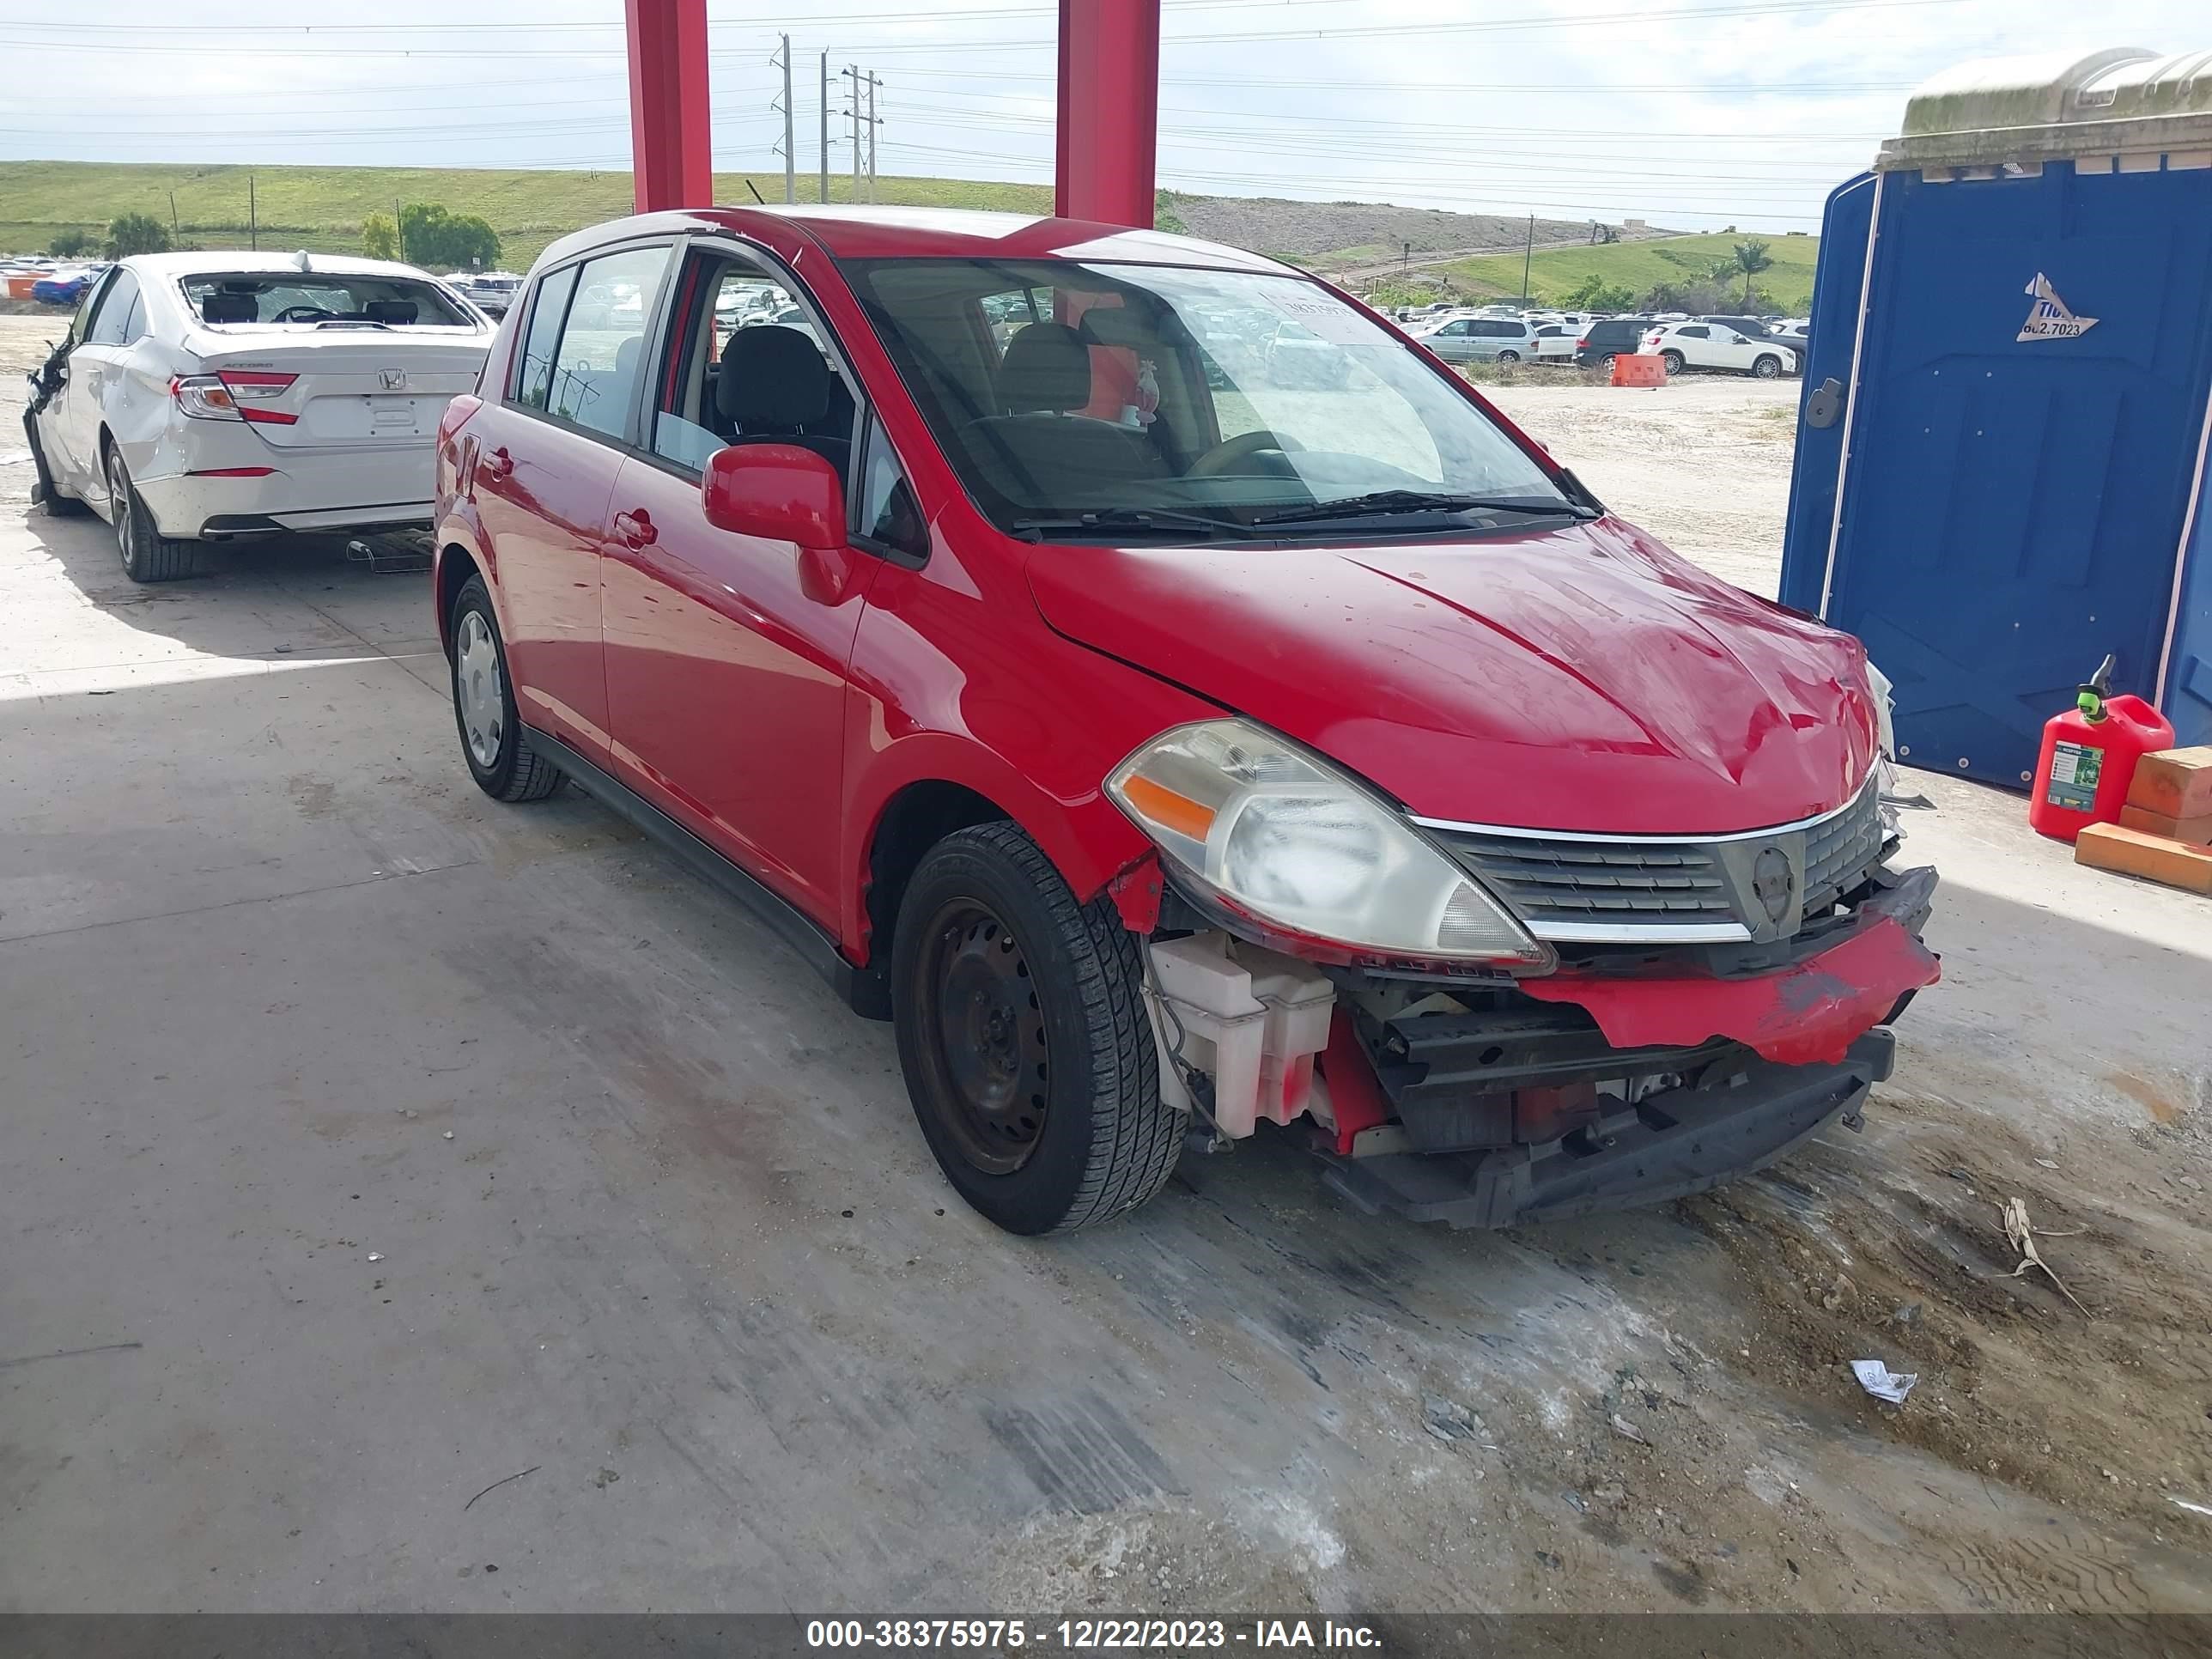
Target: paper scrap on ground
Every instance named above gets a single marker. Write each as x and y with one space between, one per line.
1883 1383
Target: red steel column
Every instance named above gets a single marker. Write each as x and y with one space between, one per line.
1110 110
671 144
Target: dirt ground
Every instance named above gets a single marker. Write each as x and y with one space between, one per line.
1244 1397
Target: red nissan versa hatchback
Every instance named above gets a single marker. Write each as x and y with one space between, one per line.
1166 742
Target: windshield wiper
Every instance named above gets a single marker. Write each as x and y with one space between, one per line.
1125 518
1384 502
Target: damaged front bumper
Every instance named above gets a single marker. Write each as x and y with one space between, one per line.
1490 1103
1733 1115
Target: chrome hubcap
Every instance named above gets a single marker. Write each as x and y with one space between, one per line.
119 504
477 691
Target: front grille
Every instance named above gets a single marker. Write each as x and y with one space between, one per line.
1593 881
1569 887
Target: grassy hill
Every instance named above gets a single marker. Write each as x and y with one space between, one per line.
1554 272
322 208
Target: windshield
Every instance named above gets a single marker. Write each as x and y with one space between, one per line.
318 299
1058 390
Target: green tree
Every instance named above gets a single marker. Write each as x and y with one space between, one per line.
137 233
71 243
429 235
1595 294
380 237
1751 258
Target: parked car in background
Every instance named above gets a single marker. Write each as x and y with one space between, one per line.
1481 340
66 286
491 291
1795 331
202 397
1296 356
1608 338
1125 752
1754 328
1555 343
1716 345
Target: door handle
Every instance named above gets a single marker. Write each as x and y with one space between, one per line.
499 463
636 529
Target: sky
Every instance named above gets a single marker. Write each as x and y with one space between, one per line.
1689 113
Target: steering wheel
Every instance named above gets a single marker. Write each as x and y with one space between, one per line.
1245 445
301 314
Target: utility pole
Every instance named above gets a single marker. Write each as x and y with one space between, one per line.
822 192
398 234
176 231
1528 253
790 153
853 74
872 84
1407 262
253 216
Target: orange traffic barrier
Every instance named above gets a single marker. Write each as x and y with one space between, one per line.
1636 370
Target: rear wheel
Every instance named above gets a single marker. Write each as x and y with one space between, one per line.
148 555
1673 361
1768 367
1508 356
1023 1033
1604 361
493 741
58 503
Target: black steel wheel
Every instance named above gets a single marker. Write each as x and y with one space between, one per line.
991 1066
1023 1033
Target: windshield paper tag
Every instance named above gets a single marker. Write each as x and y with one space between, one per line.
2049 319
1330 317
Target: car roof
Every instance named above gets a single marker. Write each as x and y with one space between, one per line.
878 233
246 263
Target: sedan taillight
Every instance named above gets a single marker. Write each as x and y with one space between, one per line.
235 394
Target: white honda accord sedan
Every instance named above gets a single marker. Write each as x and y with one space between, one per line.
205 396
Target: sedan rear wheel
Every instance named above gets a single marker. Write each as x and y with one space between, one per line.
148 555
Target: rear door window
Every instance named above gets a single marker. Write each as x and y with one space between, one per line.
534 374
111 323
601 358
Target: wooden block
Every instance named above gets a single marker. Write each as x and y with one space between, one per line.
2176 782
2131 853
2197 832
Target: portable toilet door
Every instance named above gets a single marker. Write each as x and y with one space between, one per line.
2009 391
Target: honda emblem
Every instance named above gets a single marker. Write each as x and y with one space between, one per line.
392 380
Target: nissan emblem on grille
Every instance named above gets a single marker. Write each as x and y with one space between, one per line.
1772 883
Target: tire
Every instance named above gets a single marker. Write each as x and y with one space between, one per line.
1767 368
499 757
1604 361
1508 356
58 502
1673 360
147 555
1041 1104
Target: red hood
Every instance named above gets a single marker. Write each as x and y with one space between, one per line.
1583 679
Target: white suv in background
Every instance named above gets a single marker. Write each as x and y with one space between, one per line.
201 397
1716 345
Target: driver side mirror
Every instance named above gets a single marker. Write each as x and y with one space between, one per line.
779 492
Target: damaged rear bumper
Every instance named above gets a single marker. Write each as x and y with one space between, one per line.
1736 1114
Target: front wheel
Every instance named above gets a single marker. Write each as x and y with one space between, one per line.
1768 367
1023 1033
1673 359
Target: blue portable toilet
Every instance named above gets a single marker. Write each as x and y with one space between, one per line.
2002 447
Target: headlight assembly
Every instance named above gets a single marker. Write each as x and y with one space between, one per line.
1274 835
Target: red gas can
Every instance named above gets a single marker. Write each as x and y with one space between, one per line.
2088 758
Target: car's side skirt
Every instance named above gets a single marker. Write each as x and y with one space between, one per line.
867 991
